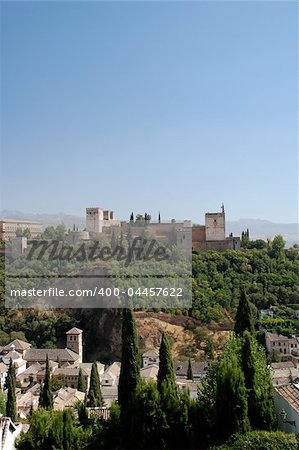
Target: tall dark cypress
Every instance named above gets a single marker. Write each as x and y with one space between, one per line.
11 406
244 319
166 371
94 395
231 408
258 383
81 381
189 371
130 360
46 397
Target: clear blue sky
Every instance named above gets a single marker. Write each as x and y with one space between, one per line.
148 106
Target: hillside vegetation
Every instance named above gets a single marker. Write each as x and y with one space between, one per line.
270 276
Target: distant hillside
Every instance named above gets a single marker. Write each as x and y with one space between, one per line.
259 229
263 229
46 219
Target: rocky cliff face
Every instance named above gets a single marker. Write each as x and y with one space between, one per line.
102 334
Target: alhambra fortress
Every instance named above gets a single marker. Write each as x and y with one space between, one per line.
210 236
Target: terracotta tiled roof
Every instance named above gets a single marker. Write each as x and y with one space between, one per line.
276 337
150 372
12 355
69 371
3 367
290 393
40 354
74 331
283 365
114 369
198 367
18 344
151 354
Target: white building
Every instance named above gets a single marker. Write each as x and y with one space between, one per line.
277 343
3 375
9 227
286 399
150 357
16 358
9 431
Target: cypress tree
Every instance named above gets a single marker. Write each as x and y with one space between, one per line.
258 383
129 377
189 371
46 397
11 406
130 360
244 319
231 409
159 217
81 382
209 349
68 430
166 372
94 396
2 403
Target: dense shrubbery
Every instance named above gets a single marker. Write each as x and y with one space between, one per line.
218 278
261 440
270 276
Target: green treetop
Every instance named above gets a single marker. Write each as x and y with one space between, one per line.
11 406
46 397
130 360
166 372
231 409
244 319
94 396
258 383
189 371
81 381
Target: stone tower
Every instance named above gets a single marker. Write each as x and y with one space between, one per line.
215 226
74 341
94 220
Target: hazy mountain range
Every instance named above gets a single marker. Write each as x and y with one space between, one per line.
258 229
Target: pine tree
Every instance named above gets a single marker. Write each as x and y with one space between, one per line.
244 319
189 371
81 381
46 397
11 406
166 371
130 360
94 395
258 383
